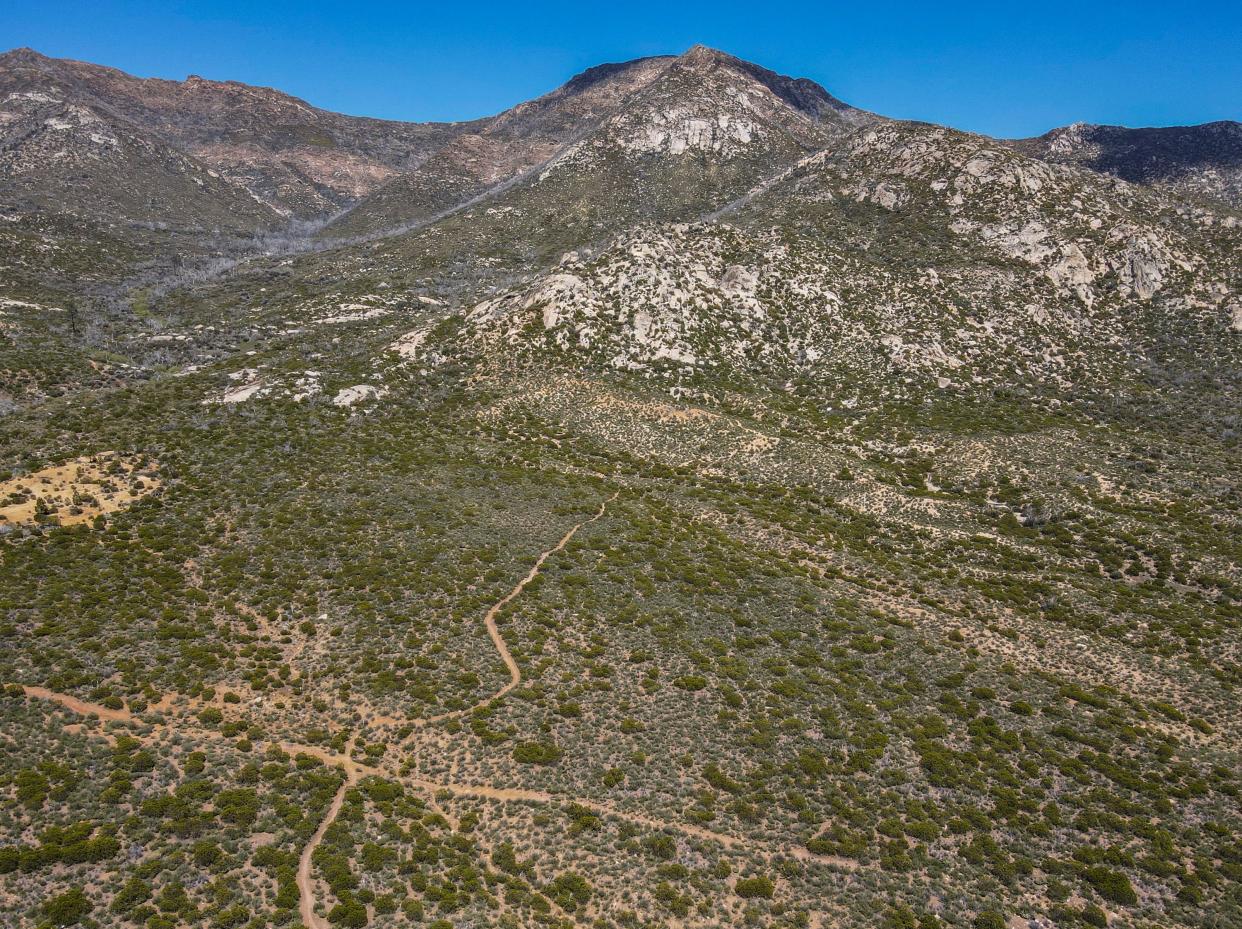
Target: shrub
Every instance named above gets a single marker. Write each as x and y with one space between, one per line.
32 788
349 913
206 853
232 917
900 917
68 908
1092 915
661 845
569 890
211 716
135 891
691 682
752 887
537 753
671 900
1111 885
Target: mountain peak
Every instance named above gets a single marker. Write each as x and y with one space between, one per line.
16 57
705 54
801 93
601 73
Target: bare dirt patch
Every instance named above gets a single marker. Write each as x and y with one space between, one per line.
78 490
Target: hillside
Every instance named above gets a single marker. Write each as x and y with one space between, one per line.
301 161
1199 161
657 137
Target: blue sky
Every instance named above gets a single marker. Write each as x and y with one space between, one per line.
1000 68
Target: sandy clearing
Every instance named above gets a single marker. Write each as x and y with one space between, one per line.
91 485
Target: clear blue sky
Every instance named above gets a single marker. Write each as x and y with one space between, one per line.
997 67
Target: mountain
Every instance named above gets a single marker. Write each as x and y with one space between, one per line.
243 161
501 148
300 160
1204 161
904 251
83 162
655 131
683 499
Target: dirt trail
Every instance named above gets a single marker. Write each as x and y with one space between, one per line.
489 619
81 707
305 879
517 794
354 771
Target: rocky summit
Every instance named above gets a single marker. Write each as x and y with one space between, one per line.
683 499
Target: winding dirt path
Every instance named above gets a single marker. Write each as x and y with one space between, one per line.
305 876
489 620
81 707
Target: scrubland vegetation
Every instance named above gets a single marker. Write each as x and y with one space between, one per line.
744 698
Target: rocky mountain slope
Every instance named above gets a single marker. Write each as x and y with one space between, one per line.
88 165
902 251
300 160
639 139
1202 161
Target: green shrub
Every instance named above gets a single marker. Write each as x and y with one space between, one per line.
135 891
537 753
348 913
211 716
1092 915
569 890
752 887
989 919
67 909
662 845
1111 885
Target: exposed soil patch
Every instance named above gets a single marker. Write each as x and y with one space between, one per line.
77 491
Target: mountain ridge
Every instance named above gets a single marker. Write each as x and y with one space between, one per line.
1204 159
542 128
700 137
312 164
302 159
